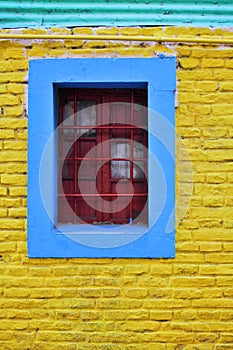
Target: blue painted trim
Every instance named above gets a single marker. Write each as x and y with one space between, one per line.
46 241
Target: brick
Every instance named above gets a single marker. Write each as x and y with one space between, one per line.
3 88
107 31
199 74
10 202
90 315
216 167
8 100
192 281
14 145
12 156
212 303
131 51
89 293
212 132
96 44
138 315
197 110
187 246
224 257
161 315
212 63
165 304
91 270
228 223
189 132
13 111
15 53
223 269
183 50
223 347
185 269
225 281
229 63
61 336
3 191
15 88
136 293
219 155
17 212
19 180
215 178
7 247
134 326
228 247
223 74
68 281
11 224
13 123
119 304
226 338
210 247
21 134
226 86
214 189
207 85
37 51
155 292
3 212
218 144
155 346
83 31
226 315
213 201
6 134
189 63
137 269
14 77
116 315
104 281
130 31
18 191
13 168
111 292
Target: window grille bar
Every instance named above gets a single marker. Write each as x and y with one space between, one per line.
131 152
105 159
101 127
102 194
75 150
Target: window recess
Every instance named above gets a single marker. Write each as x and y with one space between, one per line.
102 156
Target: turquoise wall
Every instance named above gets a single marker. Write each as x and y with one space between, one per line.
47 13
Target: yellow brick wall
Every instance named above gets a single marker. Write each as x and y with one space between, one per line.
126 304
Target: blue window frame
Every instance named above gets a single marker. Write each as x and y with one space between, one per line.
157 239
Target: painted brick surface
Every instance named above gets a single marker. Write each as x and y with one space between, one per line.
126 304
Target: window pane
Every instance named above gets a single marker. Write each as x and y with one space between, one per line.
120 169
86 115
68 114
138 170
120 150
139 149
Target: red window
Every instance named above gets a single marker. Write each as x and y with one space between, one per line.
102 156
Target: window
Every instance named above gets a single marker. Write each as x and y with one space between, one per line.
105 133
140 158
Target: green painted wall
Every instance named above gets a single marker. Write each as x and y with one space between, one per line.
59 13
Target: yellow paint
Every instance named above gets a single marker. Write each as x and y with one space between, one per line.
126 304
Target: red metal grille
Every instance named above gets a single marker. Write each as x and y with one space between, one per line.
102 154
